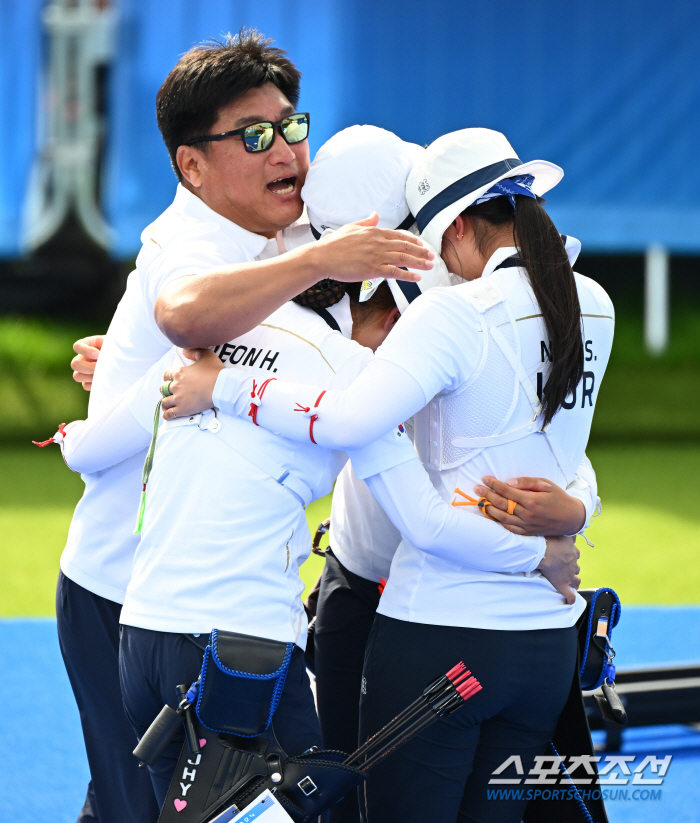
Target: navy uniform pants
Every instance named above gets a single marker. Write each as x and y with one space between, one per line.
345 613
443 773
88 634
153 663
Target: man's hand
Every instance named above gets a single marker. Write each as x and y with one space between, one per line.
210 307
87 351
361 251
192 386
542 507
560 566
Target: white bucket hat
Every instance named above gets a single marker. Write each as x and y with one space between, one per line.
359 170
457 169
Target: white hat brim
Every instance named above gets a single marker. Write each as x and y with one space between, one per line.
546 175
436 277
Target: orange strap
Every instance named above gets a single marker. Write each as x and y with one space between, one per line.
482 503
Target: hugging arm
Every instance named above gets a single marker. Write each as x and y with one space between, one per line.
432 525
382 396
87 350
222 304
402 487
542 507
97 443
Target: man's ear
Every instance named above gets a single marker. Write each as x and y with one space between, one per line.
391 319
190 161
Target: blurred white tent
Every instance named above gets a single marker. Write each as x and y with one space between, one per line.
64 180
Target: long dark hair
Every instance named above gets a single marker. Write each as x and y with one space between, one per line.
544 257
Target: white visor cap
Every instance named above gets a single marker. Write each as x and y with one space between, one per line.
457 169
360 170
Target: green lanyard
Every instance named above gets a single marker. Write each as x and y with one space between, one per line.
147 466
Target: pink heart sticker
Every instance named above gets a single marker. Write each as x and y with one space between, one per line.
179 804
202 742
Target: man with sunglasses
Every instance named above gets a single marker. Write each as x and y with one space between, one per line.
208 272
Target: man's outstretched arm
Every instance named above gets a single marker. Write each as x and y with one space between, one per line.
213 307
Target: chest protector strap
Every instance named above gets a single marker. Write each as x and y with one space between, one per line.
528 428
484 301
520 431
208 421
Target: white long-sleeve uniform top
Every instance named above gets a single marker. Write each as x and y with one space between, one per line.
437 348
224 532
222 539
218 522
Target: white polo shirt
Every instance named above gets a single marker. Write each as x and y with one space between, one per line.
440 343
186 239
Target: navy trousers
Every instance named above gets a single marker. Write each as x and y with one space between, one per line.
443 773
345 613
88 634
153 663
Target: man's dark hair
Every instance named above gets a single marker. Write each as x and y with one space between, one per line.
214 74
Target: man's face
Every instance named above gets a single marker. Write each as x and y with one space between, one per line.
260 191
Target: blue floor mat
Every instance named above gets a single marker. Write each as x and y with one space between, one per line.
45 773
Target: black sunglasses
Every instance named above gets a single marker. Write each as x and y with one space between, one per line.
261 136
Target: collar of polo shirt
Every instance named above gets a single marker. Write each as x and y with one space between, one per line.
189 205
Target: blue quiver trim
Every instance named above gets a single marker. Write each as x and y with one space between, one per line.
596 651
242 679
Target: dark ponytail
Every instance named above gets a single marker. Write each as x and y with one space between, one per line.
544 257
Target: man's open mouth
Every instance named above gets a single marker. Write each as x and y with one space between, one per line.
283 185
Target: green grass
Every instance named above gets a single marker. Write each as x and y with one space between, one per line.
36 386
641 397
37 497
644 397
647 539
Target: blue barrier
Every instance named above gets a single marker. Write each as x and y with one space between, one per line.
20 39
611 92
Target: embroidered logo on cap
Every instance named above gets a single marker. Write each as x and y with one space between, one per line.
423 186
368 288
